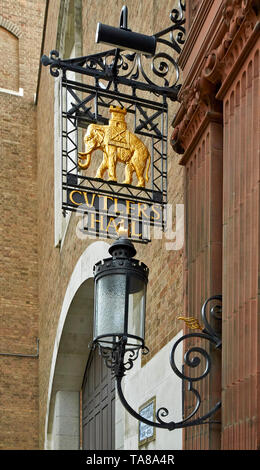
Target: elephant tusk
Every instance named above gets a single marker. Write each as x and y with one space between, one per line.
82 155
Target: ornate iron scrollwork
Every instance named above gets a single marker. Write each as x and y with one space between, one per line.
116 360
118 67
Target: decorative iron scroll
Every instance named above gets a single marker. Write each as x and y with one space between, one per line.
119 67
117 358
119 363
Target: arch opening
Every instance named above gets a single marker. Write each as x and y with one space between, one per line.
71 352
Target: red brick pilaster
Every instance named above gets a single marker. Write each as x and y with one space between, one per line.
221 71
241 371
203 240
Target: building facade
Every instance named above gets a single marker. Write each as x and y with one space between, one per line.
71 29
62 396
21 25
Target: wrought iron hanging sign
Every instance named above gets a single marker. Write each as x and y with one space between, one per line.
114 139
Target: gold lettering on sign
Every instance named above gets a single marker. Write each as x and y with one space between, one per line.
87 201
105 198
141 210
128 206
94 220
115 205
71 197
156 212
133 230
123 207
112 221
106 214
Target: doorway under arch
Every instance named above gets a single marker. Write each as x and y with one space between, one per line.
98 405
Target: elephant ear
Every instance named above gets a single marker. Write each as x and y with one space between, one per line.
100 133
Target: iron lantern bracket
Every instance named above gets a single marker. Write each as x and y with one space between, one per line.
120 360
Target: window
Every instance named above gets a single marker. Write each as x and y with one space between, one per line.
9 70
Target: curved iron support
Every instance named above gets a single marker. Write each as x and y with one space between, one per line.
115 359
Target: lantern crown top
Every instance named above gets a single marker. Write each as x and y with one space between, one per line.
122 248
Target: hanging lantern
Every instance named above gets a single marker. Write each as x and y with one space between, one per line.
120 297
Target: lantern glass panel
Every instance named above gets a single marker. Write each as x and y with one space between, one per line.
110 305
136 306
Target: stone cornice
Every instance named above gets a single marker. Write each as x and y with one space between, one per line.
204 119
197 104
247 37
241 23
200 97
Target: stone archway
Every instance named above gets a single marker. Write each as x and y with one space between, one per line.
70 354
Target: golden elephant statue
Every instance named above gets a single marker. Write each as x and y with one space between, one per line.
118 145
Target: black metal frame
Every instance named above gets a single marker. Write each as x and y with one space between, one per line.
120 360
100 100
113 72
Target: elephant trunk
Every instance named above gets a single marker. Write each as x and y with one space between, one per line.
148 167
84 156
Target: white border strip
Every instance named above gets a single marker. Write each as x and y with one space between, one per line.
12 92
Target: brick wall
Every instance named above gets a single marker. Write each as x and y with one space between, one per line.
21 30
